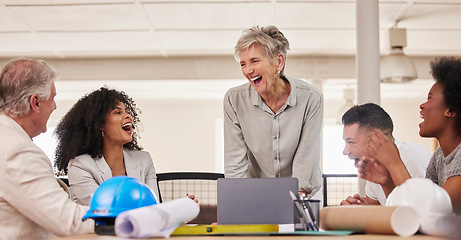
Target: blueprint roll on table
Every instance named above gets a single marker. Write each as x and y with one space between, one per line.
402 221
158 220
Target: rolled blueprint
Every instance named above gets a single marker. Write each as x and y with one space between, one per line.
403 221
158 220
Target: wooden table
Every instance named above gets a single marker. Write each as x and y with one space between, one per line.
353 236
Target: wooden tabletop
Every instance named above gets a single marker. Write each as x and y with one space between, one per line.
353 236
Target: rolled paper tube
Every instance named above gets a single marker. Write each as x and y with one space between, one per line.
403 221
158 220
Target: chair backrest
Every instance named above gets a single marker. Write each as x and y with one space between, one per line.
65 180
336 187
175 185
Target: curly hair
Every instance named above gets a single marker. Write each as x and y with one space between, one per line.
447 72
79 131
271 39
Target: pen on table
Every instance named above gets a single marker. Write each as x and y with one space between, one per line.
303 212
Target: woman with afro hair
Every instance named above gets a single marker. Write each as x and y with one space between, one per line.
97 139
441 114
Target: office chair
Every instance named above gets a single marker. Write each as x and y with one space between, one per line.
336 187
203 185
65 180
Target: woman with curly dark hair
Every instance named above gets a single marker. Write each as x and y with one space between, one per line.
441 114
97 139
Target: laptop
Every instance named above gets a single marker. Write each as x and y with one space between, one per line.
256 200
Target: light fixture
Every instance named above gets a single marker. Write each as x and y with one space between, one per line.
397 67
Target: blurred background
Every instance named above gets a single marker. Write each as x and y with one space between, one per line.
175 59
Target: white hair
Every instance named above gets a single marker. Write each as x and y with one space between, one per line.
19 80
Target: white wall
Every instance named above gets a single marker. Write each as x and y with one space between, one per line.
178 131
406 119
181 112
180 135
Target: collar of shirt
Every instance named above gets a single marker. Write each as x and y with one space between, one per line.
257 100
447 160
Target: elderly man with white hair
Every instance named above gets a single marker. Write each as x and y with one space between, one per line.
33 203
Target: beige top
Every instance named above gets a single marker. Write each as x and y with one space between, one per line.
260 144
86 174
32 203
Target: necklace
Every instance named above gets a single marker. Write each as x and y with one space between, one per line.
116 168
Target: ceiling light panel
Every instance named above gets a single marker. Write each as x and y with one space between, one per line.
203 16
100 42
422 15
321 41
10 23
187 42
11 42
318 15
60 2
68 18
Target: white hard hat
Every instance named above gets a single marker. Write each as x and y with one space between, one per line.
428 199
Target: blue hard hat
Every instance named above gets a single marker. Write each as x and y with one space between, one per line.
119 194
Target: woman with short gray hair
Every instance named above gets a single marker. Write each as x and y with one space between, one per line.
272 124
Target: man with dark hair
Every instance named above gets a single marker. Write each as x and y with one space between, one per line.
359 123
441 120
34 204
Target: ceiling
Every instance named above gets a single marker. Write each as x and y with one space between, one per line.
95 28
172 29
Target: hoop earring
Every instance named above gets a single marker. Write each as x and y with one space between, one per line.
102 133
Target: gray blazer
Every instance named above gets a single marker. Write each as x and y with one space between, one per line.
85 173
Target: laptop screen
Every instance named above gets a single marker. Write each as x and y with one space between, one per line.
256 200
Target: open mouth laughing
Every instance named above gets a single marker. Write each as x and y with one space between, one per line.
128 127
422 117
256 80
